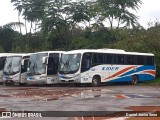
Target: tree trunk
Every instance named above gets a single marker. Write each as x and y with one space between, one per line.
26 25
31 28
118 23
19 22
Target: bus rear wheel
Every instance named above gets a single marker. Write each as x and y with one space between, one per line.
134 80
95 81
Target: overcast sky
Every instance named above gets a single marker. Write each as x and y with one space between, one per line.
149 11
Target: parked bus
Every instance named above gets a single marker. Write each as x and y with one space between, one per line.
106 65
15 69
2 62
43 67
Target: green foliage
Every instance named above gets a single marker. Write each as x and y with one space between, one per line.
152 82
80 43
118 10
58 23
1 50
140 40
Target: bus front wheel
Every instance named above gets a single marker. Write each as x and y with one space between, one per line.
22 84
134 80
95 81
9 84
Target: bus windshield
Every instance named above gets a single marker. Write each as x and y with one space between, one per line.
12 65
35 64
69 63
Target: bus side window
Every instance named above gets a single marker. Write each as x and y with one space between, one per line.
149 60
131 60
86 62
98 58
120 59
140 60
109 58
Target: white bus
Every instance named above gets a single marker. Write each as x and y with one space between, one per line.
15 69
43 67
106 65
2 62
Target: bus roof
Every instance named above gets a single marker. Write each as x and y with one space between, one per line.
49 52
5 54
105 50
20 54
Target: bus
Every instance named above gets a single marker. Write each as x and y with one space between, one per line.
96 66
15 69
43 67
2 62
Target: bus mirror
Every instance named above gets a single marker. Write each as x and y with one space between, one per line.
23 62
44 60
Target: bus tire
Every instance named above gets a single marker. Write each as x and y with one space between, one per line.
22 84
77 84
9 84
95 81
134 80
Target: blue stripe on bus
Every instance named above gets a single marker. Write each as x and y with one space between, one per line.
142 68
141 77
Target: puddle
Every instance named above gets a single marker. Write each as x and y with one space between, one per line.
5 96
61 95
95 93
50 99
122 96
56 94
23 101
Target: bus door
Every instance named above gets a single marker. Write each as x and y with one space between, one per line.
2 62
85 68
52 68
24 69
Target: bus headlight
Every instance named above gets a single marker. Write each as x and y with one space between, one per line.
16 77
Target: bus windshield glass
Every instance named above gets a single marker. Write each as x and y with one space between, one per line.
35 65
12 65
69 63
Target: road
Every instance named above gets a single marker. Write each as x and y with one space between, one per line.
111 98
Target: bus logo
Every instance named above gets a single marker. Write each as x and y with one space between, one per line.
110 68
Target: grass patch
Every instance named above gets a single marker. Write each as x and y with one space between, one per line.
152 82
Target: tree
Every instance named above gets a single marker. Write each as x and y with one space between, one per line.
118 10
19 7
7 35
61 18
